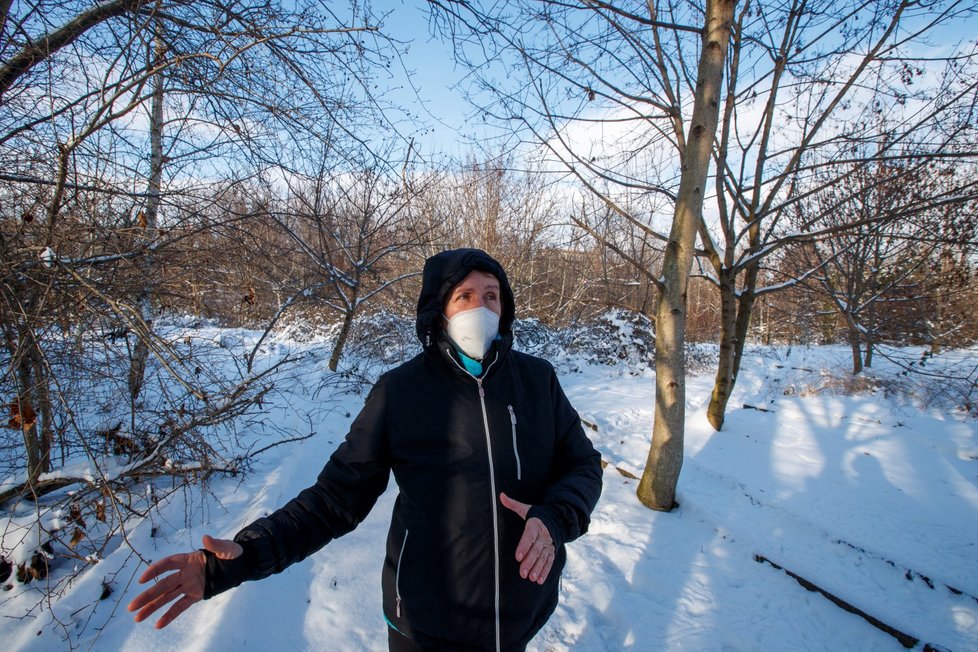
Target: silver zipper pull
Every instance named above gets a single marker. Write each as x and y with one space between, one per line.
397 605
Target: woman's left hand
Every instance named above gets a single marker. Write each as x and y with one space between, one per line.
535 551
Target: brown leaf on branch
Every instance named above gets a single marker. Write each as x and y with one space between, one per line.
76 537
22 416
75 515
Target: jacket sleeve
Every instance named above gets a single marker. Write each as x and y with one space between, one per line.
575 484
344 493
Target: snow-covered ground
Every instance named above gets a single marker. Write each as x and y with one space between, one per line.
870 496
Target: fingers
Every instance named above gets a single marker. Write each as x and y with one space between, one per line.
526 543
514 505
178 608
222 548
535 552
541 569
186 585
165 565
156 596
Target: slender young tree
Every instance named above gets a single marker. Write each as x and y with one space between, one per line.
657 488
890 261
575 45
821 104
349 226
149 224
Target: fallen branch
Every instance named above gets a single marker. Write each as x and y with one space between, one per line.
44 487
36 490
234 403
623 472
906 640
748 406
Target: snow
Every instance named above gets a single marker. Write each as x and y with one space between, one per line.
48 256
871 495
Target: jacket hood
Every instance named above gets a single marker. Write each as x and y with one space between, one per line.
445 270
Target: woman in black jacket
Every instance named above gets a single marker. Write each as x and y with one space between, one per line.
494 473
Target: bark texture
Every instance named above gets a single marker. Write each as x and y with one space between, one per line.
657 488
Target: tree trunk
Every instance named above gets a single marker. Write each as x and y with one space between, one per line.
745 309
657 488
144 301
28 424
4 11
42 405
733 338
334 358
854 344
33 405
725 378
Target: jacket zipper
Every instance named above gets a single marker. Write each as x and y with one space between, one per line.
516 450
495 514
397 575
492 488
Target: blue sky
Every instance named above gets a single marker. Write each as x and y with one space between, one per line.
450 122
435 76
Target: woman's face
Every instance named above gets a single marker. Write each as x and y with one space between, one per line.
475 290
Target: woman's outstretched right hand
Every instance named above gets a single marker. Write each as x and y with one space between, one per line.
186 585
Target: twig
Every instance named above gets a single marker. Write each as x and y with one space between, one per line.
278 443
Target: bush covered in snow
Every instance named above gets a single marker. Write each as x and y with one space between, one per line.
616 337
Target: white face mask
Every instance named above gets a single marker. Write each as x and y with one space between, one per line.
474 330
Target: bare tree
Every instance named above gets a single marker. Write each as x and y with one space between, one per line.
605 87
574 53
891 259
125 127
349 226
820 106
657 488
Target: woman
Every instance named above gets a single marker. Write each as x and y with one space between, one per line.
494 473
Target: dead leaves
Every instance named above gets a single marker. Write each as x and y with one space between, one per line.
38 567
22 415
75 515
76 537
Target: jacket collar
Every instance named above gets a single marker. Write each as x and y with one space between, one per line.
446 354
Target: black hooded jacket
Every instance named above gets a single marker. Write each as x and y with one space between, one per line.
454 442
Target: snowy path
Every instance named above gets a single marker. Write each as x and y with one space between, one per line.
871 528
